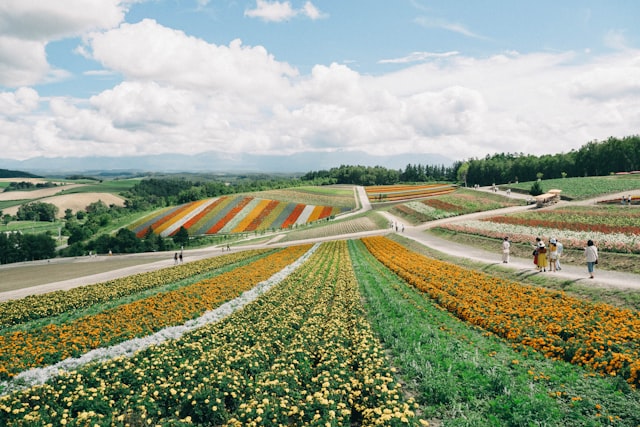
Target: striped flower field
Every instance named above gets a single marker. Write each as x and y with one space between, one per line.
394 193
286 337
232 214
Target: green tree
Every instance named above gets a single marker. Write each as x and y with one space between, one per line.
181 237
462 173
536 189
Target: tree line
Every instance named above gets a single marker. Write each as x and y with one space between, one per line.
596 158
379 175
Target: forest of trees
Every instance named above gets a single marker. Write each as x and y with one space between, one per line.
17 247
378 175
592 159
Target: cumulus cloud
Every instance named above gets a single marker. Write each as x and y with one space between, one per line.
150 51
26 27
183 94
282 11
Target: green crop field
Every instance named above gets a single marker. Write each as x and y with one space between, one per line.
583 187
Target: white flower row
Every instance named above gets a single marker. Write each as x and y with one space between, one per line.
128 348
617 241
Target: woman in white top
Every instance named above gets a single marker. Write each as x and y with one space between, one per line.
505 250
591 254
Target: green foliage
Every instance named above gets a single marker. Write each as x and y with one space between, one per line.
592 159
181 237
586 187
26 185
378 175
17 247
6 173
37 211
536 189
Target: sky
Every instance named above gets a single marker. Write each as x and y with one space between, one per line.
458 78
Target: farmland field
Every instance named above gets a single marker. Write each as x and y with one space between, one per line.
612 228
342 196
583 187
465 348
232 214
391 193
461 201
355 225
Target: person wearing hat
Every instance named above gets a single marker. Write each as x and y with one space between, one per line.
553 254
542 256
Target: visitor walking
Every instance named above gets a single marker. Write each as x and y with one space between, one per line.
175 258
559 249
506 247
591 255
553 255
536 246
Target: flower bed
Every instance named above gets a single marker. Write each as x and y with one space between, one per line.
302 354
601 337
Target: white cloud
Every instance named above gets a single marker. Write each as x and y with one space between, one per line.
455 27
276 11
23 100
149 51
616 39
418 57
183 94
27 26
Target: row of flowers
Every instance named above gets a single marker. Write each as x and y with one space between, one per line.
35 347
447 205
408 192
599 336
578 218
610 242
14 312
231 214
301 354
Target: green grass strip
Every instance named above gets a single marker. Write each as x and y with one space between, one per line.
462 376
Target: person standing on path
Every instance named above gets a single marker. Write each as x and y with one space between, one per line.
553 255
506 246
591 255
559 249
542 257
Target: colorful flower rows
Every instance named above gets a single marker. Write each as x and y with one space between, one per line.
302 354
599 336
610 242
457 203
387 193
597 219
232 214
20 350
33 307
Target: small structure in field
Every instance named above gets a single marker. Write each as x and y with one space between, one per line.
548 198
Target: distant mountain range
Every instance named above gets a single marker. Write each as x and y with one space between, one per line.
219 162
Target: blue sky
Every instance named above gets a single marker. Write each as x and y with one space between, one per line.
456 78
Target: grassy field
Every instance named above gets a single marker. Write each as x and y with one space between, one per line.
115 186
584 187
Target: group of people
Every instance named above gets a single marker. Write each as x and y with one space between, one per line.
548 255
